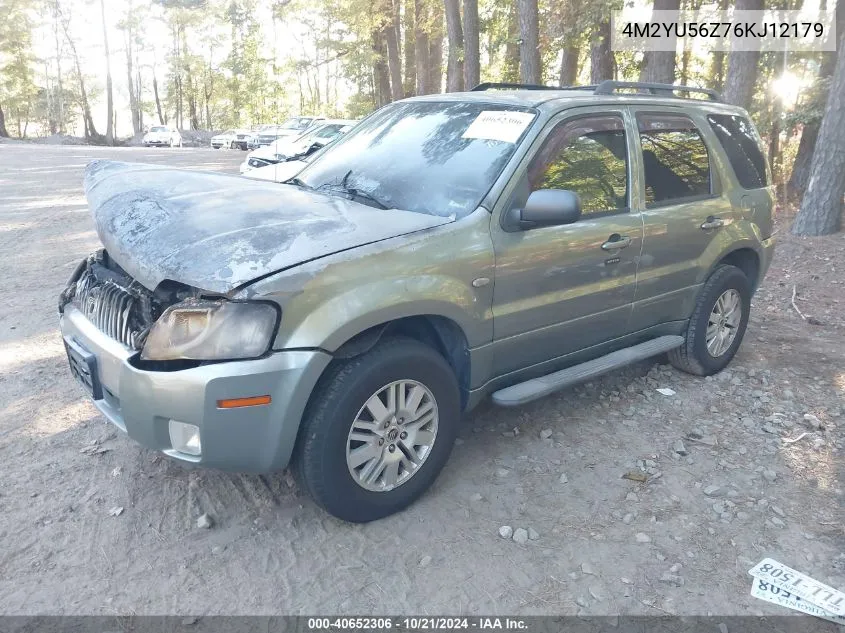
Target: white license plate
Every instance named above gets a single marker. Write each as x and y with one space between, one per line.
763 590
800 585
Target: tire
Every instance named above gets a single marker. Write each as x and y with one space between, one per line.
694 356
321 464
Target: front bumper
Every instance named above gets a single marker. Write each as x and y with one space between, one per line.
248 439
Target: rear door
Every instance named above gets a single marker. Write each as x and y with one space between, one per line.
684 211
561 289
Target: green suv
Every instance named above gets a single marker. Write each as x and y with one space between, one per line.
506 242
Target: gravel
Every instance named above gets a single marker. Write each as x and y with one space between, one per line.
63 552
205 522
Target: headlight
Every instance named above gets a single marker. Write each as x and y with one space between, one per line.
211 330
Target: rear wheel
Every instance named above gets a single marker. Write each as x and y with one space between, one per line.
378 430
717 325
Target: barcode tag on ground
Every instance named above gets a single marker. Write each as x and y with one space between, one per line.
770 593
800 585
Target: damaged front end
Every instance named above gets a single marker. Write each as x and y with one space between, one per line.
116 304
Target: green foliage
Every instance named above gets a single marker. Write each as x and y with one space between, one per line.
17 77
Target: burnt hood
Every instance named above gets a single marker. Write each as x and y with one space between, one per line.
217 232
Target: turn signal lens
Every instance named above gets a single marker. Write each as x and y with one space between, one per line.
234 403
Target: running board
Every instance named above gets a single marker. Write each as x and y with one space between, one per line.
544 385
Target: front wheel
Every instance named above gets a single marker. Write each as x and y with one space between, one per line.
378 430
717 325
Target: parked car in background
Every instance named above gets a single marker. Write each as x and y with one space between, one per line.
295 126
279 172
241 140
230 139
288 148
162 136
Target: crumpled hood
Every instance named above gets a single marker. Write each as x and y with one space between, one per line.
216 232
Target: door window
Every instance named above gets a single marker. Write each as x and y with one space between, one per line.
675 159
589 156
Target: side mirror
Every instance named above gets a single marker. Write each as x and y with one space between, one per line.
548 207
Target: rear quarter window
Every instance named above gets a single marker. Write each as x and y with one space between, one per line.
742 146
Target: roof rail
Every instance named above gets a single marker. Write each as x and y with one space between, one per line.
492 85
609 86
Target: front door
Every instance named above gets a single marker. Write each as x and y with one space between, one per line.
561 289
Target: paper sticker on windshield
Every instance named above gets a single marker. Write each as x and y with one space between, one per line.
499 125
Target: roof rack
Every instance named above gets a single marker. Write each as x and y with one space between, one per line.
492 85
607 87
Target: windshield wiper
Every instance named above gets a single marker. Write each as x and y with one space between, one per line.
343 186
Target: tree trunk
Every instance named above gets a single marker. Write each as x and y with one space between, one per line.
60 97
421 47
380 74
90 131
130 82
569 66
193 111
510 67
139 93
716 78
601 57
435 47
394 60
455 35
109 90
161 118
472 56
659 66
529 49
743 66
410 49
3 131
809 134
717 71
821 207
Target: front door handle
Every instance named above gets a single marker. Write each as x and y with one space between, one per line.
712 222
616 242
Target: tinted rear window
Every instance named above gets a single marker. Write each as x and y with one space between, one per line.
737 136
675 159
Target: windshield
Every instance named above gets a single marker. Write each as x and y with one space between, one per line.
438 158
298 123
328 131
158 128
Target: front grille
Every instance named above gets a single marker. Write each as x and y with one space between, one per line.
113 309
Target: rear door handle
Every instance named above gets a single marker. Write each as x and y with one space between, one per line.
616 242
712 222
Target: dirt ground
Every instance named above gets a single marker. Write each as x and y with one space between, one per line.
762 474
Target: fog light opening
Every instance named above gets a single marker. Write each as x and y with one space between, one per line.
185 437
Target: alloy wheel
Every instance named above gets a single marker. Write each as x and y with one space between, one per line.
392 435
723 323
